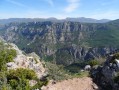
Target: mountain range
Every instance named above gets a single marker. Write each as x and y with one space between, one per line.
80 19
66 42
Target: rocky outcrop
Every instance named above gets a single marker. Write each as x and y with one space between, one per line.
29 61
107 75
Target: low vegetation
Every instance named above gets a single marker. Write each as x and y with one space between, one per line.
59 72
6 55
93 63
19 80
56 72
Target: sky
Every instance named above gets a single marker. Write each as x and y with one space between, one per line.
97 9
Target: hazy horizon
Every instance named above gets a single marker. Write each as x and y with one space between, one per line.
57 18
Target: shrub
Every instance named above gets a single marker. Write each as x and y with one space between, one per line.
21 73
13 83
19 78
93 63
6 55
11 52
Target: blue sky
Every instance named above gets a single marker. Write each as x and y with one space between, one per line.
98 9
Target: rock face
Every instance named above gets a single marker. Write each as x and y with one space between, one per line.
76 53
107 76
55 40
30 61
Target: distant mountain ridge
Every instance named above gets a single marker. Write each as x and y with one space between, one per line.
80 19
87 20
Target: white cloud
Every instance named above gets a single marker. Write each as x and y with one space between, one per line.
73 5
16 3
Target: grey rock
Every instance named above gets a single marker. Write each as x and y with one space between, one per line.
105 75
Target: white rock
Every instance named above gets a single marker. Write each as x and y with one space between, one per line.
117 62
87 67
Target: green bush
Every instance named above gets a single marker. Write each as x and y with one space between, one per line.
20 77
6 55
21 73
13 83
93 63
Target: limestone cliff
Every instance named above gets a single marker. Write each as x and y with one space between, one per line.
78 41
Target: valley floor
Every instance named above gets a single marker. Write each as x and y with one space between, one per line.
84 83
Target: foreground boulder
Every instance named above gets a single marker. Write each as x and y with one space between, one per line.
107 75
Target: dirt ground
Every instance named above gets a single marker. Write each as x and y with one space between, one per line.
84 83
